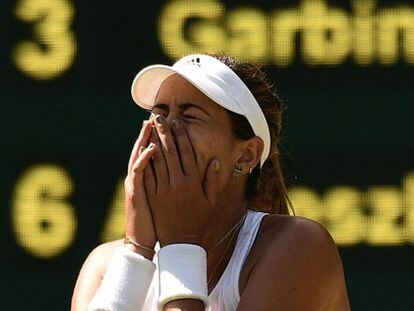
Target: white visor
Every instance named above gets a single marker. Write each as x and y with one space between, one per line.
215 80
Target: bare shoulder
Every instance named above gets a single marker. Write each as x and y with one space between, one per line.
298 258
91 274
304 233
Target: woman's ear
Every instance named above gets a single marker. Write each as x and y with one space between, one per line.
252 150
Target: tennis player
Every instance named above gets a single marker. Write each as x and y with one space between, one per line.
207 212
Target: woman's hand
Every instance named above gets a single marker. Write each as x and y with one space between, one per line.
139 224
181 203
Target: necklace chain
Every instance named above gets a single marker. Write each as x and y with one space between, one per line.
221 258
228 233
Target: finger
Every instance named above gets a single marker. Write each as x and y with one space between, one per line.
137 144
211 182
185 149
168 147
141 150
158 161
139 166
142 140
150 182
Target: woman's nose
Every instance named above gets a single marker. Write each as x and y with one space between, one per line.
167 123
171 117
164 120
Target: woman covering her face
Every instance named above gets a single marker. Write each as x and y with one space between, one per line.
207 212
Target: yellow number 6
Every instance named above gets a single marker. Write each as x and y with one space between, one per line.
42 217
54 51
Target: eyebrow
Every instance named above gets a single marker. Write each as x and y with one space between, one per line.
181 107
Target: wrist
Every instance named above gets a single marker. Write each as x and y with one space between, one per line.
189 240
183 273
125 284
141 249
145 253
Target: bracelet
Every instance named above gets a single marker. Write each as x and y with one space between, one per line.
128 240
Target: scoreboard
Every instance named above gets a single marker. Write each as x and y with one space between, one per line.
345 70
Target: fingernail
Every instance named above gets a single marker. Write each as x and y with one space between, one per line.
217 166
176 123
160 119
151 145
141 150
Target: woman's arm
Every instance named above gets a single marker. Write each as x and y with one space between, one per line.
139 227
184 304
91 275
301 270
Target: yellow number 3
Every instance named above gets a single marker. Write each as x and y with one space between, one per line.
54 48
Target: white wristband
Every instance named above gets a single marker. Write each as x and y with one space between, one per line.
183 273
125 284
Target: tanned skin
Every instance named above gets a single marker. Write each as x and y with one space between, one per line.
293 264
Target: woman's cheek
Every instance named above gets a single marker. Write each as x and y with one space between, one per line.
196 143
205 149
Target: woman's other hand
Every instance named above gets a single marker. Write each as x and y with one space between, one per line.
139 223
182 204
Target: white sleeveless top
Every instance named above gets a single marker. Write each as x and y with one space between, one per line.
225 295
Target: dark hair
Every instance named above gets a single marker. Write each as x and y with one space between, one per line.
265 190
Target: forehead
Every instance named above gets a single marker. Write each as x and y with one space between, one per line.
175 90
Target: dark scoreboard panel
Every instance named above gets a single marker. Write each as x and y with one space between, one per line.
345 70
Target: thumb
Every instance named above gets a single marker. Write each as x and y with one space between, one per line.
211 182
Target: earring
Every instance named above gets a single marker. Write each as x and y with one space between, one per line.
237 171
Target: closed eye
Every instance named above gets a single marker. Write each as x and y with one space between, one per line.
189 116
